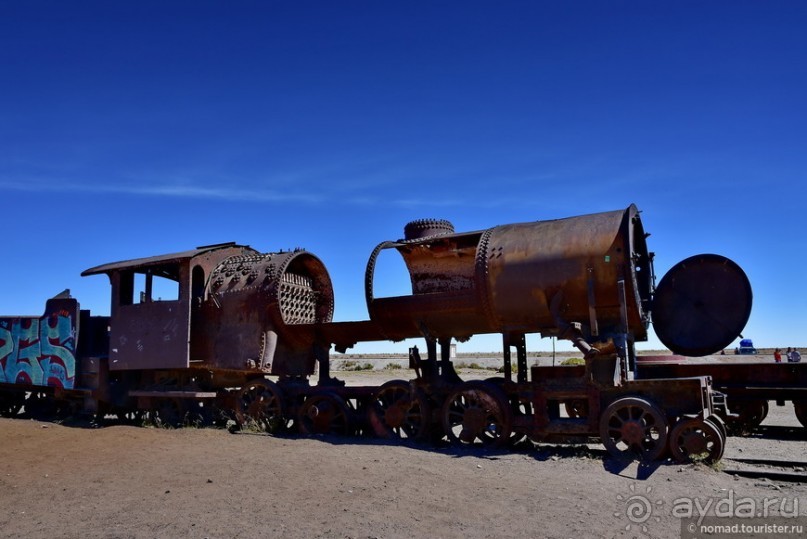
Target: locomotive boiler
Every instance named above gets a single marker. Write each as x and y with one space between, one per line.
224 329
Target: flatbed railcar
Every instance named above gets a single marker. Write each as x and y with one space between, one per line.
749 386
225 329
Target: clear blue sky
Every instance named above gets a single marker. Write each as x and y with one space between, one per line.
136 128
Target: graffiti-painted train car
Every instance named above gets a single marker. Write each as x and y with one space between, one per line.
42 359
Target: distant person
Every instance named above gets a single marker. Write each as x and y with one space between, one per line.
789 353
777 355
794 357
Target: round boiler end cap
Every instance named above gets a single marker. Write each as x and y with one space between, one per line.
701 305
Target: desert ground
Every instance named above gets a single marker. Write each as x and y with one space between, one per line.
77 480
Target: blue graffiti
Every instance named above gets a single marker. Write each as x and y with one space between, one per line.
6 348
38 351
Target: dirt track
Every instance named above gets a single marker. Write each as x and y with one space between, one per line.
122 481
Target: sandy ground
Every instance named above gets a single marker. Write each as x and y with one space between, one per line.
123 481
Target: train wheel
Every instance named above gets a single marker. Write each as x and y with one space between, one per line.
634 427
398 411
477 411
718 422
261 402
325 413
520 408
800 407
696 440
11 404
750 414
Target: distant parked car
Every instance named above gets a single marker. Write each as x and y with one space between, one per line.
746 348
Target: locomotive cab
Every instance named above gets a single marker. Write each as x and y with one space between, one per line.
153 300
223 307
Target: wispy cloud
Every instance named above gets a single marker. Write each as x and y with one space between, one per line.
172 190
390 181
357 192
399 192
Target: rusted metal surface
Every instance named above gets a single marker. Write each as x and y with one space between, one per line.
252 308
701 305
232 304
748 386
633 425
693 438
197 333
774 378
147 332
477 412
559 278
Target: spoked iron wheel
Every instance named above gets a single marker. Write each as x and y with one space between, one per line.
633 427
261 402
519 407
399 410
478 412
750 415
325 413
696 440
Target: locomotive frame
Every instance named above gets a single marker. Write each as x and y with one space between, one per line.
243 332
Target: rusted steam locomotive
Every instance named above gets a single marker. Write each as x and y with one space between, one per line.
226 328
